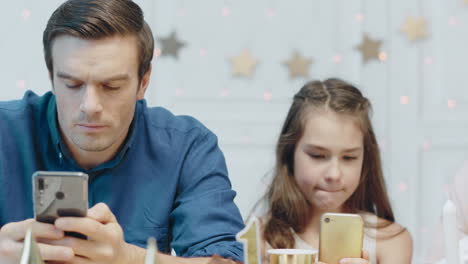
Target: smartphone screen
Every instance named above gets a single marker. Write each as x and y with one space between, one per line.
60 194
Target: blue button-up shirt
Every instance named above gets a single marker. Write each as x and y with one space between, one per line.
168 180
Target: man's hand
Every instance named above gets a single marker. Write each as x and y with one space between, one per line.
105 242
12 236
6 247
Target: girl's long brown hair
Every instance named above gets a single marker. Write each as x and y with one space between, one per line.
287 206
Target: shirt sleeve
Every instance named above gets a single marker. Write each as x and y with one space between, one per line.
205 219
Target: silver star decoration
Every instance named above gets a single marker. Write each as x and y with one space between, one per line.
171 45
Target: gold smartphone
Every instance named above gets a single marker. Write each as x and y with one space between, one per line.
341 236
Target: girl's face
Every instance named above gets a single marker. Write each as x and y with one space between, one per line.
328 159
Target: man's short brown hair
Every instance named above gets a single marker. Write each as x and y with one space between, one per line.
96 19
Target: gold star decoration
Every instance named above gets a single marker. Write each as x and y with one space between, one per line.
171 45
244 64
415 28
298 66
369 48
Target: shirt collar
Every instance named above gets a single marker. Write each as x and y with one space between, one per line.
62 150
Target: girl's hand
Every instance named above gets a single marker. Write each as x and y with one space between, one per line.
363 260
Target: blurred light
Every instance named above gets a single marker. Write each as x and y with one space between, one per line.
203 52
337 58
181 12
382 144
267 96
225 11
426 145
26 14
451 104
429 60
157 52
404 100
224 92
21 84
446 188
359 17
383 56
270 12
453 21
403 187
245 140
180 92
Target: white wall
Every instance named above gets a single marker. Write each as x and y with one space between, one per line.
423 142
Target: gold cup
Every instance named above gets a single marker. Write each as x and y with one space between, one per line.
292 256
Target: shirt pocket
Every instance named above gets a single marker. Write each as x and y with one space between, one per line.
139 236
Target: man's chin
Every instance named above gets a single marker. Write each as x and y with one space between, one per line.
92 146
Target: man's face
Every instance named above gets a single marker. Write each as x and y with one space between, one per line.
96 87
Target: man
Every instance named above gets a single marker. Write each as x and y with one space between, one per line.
151 173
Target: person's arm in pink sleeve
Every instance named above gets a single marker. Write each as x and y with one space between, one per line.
459 196
457 193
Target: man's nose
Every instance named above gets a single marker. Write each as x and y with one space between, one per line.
91 101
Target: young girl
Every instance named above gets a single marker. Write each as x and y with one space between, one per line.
327 160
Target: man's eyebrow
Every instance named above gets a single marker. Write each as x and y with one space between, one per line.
118 77
66 76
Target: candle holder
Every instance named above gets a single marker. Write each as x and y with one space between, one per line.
292 256
30 253
151 252
250 237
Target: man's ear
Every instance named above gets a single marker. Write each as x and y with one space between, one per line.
144 83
